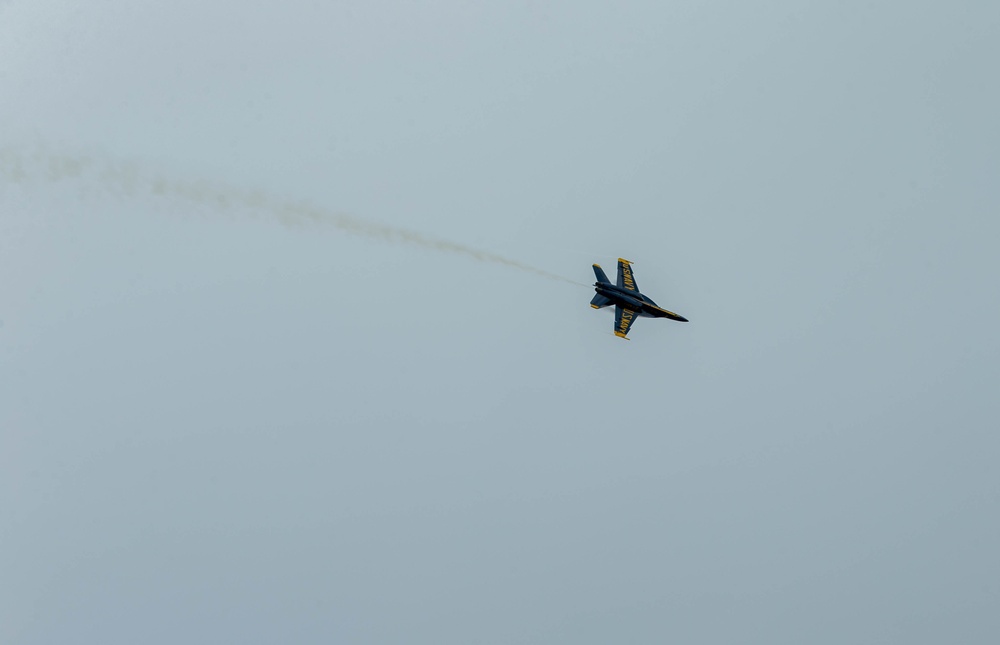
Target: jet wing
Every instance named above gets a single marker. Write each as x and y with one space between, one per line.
623 320
625 278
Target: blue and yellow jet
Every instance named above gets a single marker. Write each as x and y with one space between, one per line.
629 303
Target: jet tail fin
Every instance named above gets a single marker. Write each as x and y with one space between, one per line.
601 276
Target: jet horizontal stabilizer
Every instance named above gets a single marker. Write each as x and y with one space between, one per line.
601 275
601 301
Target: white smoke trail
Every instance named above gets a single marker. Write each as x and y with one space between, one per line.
131 179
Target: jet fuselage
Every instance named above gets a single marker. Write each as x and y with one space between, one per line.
635 301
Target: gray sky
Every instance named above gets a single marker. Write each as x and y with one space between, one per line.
219 425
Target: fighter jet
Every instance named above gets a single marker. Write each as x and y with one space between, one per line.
629 303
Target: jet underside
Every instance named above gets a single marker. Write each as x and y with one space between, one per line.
628 301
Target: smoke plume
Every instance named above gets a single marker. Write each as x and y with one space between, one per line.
131 179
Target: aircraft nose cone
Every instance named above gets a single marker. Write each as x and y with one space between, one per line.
672 316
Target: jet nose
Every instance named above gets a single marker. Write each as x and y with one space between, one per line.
672 316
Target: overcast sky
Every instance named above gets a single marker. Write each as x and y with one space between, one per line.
230 415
